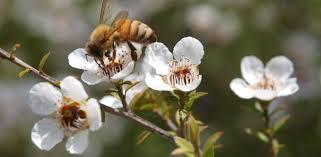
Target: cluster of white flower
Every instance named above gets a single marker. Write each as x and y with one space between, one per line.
71 114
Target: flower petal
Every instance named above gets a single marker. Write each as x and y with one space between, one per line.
279 67
91 78
290 87
191 48
252 69
46 133
191 86
44 98
241 88
156 82
158 56
135 92
111 101
94 115
264 94
78 143
78 59
125 72
72 88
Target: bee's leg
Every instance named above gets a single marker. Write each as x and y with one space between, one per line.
86 55
115 43
133 50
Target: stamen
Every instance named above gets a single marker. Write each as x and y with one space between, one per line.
265 83
72 117
182 72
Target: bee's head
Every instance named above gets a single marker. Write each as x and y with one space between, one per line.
94 50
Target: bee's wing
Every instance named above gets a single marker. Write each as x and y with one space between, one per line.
104 3
118 21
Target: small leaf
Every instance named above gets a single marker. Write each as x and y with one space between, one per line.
149 106
142 136
276 146
57 83
277 110
178 116
210 142
126 83
131 86
262 137
23 72
178 151
209 152
193 129
43 62
258 107
280 123
192 97
185 145
175 95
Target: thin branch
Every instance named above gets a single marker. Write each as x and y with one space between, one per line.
122 97
268 129
8 56
129 115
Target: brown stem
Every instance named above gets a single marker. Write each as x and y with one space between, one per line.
8 56
171 125
122 97
129 115
268 129
181 106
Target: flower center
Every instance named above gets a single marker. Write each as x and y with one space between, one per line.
73 117
265 83
182 72
116 62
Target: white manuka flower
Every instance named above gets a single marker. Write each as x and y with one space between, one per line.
116 69
69 114
177 71
138 76
265 83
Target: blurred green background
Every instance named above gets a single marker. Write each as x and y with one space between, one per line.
229 30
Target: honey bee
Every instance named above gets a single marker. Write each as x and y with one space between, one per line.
105 37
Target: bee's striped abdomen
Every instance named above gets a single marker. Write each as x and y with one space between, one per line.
138 32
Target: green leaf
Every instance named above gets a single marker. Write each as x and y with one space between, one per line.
43 62
23 72
149 106
130 86
178 115
210 142
126 83
191 99
185 145
280 123
262 137
258 107
143 136
175 95
209 152
193 130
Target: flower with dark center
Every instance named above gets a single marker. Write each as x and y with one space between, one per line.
177 71
70 114
114 68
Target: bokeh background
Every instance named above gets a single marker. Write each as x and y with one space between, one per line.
229 30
